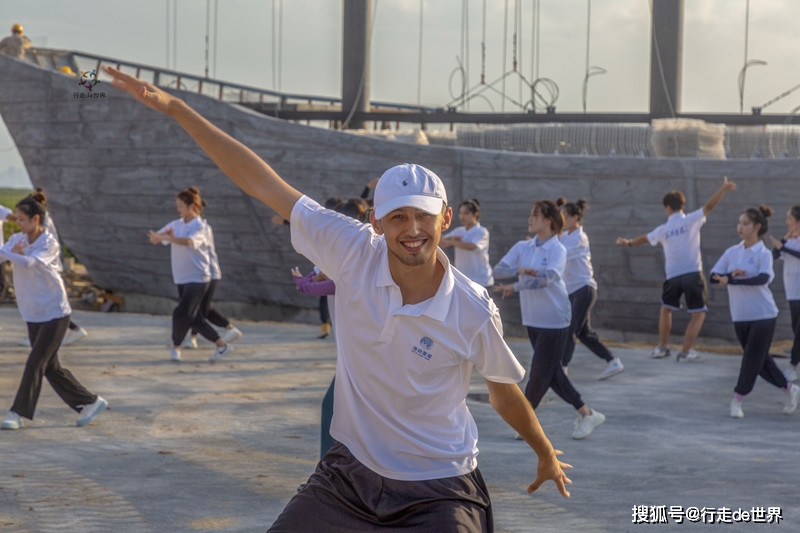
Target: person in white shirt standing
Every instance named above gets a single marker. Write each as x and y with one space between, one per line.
539 264
471 243
43 304
411 328
582 288
209 312
189 238
788 249
680 238
746 269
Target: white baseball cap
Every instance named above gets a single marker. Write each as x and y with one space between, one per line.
409 185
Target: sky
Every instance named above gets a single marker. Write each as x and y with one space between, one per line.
295 46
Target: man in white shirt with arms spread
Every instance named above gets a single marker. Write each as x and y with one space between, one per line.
410 329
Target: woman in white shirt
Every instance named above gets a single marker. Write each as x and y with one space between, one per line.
788 249
538 264
582 288
189 237
746 269
471 242
209 312
43 304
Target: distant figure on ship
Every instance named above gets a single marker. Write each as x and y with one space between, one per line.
15 44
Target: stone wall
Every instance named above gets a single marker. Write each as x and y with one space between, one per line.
112 168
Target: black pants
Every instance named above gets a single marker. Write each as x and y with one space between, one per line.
583 301
42 362
755 338
794 309
187 314
546 371
324 312
209 313
344 496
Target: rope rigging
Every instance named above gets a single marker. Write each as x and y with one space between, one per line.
543 91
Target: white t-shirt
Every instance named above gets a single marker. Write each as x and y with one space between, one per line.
213 259
578 272
748 302
403 371
791 270
190 264
41 296
474 263
680 237
547 305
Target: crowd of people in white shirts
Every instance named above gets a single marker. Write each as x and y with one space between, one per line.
414 328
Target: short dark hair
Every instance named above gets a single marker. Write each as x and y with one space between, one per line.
675 200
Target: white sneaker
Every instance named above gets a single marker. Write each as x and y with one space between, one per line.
12 421
736 409
791 404
659 352
25 341
92 410
790 373
691 357
73 336
220 352
613 368
231 335
189 341
584 425
175 354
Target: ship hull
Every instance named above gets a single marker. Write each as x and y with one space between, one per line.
111 168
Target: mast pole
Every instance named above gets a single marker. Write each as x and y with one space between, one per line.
356 19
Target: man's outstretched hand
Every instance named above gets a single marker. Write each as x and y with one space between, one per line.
144 92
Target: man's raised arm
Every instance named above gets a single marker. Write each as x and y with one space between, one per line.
246 169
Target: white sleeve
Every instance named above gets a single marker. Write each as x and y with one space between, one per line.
655 236
327 238
490 354
721 266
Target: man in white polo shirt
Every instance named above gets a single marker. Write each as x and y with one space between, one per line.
683 266
410 328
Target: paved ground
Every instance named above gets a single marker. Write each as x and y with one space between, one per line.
200 447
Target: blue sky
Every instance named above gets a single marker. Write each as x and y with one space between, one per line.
243 48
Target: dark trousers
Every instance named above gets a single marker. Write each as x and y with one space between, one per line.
326 442
187 314
344 496
546 370
42 362
583 301
755 338
209 313
324 312
794 309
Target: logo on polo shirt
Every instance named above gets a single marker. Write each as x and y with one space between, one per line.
426 344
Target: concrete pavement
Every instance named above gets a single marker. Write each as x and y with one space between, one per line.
199 447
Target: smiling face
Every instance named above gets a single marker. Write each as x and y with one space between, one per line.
412 235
